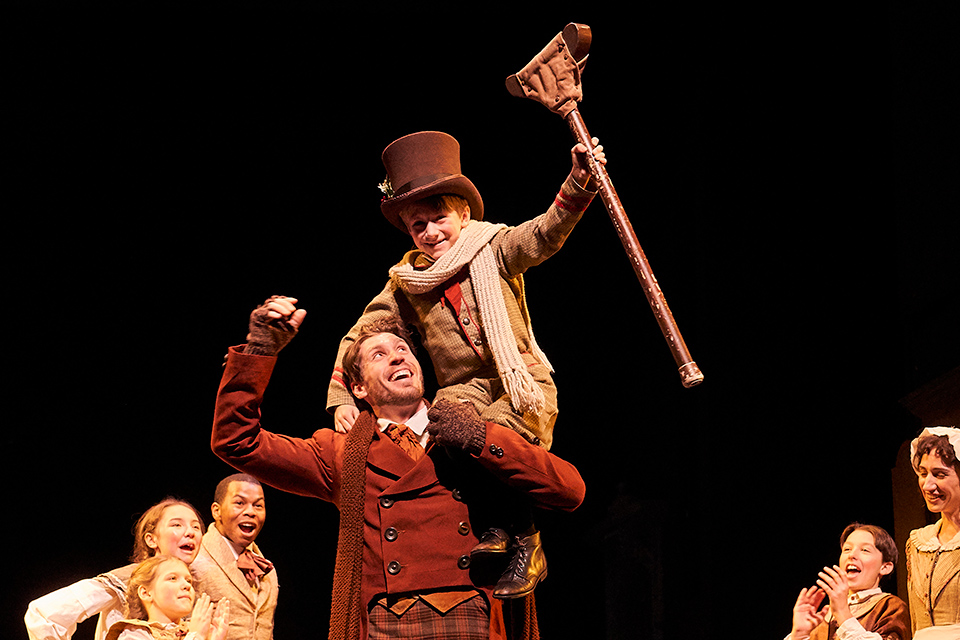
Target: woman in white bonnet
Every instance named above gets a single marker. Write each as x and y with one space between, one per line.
933 552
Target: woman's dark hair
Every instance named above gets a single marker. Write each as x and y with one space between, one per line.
939 445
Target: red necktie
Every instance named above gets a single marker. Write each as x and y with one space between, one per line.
406 439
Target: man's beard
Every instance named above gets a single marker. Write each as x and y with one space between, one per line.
381 396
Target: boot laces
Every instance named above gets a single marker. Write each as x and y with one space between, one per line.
520 559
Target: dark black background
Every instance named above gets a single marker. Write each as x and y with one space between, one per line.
789 170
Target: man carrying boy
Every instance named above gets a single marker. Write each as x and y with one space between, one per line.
407 515
858 609
230 565
462 289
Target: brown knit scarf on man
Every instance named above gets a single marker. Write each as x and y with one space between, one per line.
346 609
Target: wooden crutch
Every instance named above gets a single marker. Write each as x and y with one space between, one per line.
553 79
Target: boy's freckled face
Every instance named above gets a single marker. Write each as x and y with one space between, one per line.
434 232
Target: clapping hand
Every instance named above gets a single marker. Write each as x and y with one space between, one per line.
834 584
806 613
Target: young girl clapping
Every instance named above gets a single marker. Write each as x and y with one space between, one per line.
161 597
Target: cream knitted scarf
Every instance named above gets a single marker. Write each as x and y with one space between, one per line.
473 248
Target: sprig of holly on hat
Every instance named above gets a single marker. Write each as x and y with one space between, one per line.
386 188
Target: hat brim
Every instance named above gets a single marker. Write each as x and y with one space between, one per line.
458 185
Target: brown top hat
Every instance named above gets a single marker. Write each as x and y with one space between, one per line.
420 165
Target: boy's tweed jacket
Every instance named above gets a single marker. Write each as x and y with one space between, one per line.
419 519
449 324
251 610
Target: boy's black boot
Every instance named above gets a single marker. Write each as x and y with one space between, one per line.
527 568
493 542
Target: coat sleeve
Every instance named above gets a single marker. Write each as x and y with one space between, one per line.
551 482
530 243
306 467
56 615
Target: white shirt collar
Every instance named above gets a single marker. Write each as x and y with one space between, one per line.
863 596
416 423
229 543
854 599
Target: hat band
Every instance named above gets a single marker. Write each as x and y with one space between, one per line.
419 182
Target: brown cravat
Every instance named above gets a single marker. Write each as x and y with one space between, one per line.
406 439
253 566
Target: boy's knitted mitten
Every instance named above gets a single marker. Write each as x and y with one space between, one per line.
457 425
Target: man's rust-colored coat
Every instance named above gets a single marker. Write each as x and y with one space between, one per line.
420 519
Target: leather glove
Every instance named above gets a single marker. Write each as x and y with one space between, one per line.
457 425
267 336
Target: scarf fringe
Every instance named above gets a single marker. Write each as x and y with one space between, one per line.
525 394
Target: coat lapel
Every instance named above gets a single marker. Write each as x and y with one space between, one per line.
266 583
402 474
221 553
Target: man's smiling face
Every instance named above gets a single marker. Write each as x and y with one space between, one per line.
241 514
391 373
